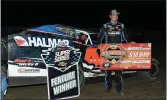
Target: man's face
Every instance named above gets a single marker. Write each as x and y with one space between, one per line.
114 17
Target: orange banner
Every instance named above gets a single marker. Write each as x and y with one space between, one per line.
120 56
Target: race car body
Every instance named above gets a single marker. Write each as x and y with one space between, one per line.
25 65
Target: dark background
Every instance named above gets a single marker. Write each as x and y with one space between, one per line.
88 14
144 20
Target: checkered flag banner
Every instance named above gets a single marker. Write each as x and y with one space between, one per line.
61 56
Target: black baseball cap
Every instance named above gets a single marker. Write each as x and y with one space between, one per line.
114 11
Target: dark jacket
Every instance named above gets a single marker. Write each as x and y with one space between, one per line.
112 33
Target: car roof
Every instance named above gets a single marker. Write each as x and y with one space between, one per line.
53 29
48 29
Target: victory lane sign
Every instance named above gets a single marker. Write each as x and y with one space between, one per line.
63 72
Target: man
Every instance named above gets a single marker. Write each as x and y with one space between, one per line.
113 32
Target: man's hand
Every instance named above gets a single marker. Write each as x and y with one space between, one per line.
132 42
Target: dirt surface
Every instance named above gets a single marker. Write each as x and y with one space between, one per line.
134 88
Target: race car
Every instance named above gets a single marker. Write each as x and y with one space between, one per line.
25 65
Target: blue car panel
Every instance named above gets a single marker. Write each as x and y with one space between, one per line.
54 29
49 29
3 86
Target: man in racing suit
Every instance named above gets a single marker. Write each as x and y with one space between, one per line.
113 32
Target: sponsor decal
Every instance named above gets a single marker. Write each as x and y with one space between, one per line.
20 41
24 70
135 48
38 41
63 75
25 63
61 57
22 61
145 66
114 33
141 61
124 62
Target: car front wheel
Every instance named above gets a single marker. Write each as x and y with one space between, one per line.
152 73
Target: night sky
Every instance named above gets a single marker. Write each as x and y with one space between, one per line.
88 14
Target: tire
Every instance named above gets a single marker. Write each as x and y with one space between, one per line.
152 74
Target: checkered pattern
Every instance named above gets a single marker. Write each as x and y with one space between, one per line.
75 58
49 59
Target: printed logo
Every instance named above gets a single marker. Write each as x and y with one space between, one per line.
20 41
61 57
114 33
26 62
24 70
38 42
113 54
